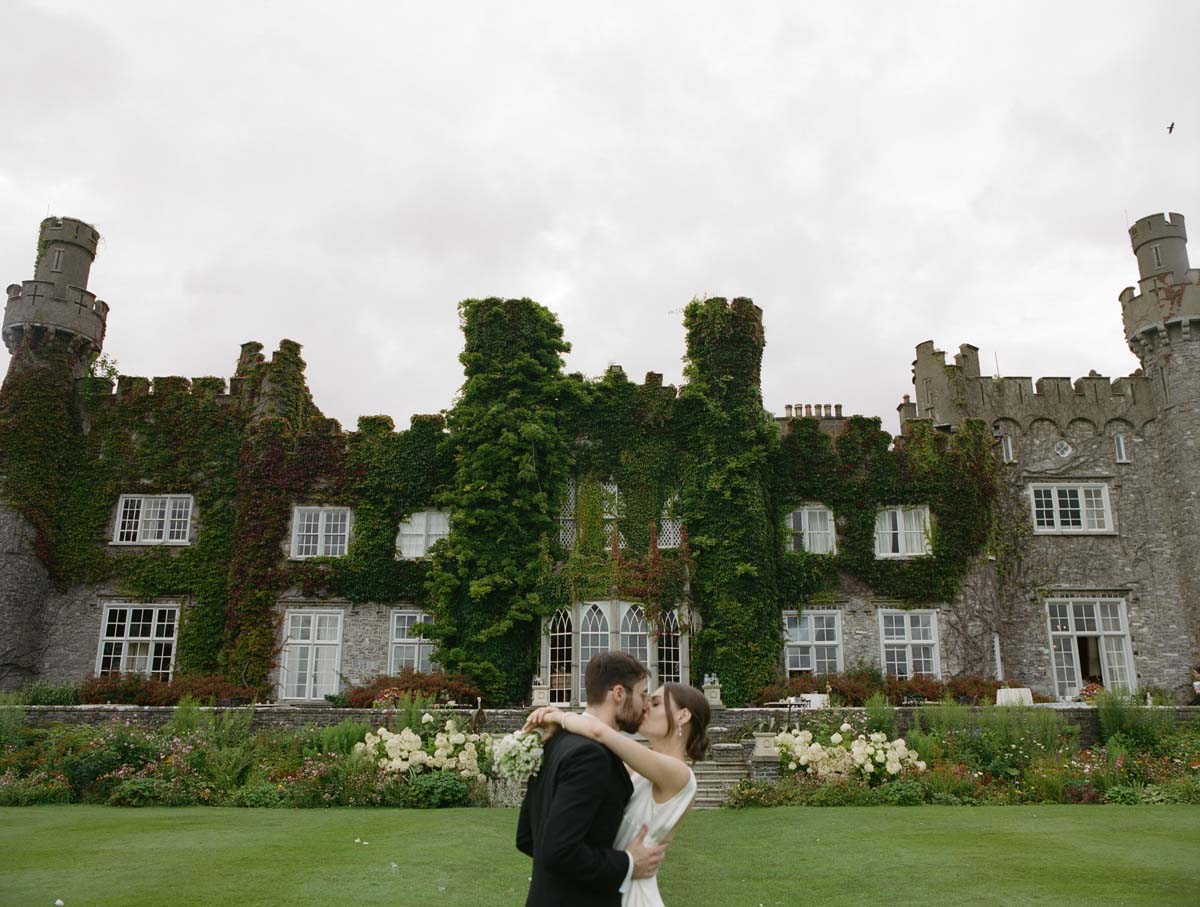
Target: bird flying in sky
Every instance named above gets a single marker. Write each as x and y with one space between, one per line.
1170 129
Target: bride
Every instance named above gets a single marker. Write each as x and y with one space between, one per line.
663 784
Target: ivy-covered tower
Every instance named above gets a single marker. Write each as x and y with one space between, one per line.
1162 327
54 328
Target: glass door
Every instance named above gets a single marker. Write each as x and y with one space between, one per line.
312 653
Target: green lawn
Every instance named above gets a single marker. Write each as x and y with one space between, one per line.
1054 855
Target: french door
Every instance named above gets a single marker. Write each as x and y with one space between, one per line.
312 654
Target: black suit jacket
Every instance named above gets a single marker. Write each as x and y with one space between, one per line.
569 820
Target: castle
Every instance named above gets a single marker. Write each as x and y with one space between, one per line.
1038 532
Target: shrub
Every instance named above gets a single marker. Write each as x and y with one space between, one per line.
880 715
12 719
855 686
1140 728
903 793
973 690
435 790
137 689
126 689
212 689
441 686
260 795
39 692
337 738
33 790
918 688
186 718
150 790
786 792
88 756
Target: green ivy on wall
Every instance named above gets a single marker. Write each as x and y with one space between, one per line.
510 466
860 472
500 461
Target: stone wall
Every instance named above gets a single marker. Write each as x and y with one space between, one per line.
726 727
24 586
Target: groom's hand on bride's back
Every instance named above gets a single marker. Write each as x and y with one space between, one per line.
646 857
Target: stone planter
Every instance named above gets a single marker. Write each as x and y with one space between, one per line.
726 752
764 745
1014 696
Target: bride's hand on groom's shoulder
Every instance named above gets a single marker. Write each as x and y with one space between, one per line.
545 720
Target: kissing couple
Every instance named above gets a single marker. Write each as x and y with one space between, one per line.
599 814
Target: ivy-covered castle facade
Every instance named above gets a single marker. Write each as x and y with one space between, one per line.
1042 533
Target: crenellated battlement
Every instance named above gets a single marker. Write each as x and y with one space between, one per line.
948 394
1159 301
42 305
70 230
167 386
1157 226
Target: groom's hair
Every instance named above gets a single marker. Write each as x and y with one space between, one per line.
608 669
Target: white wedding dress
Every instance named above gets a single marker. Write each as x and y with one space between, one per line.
659 818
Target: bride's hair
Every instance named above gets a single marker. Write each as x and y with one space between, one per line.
682 696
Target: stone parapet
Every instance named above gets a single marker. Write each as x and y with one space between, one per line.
39 304
731 730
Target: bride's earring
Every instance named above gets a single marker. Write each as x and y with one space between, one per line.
679 732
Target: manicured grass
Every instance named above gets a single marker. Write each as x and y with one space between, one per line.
1053 855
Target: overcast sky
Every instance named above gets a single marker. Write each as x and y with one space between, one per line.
342 174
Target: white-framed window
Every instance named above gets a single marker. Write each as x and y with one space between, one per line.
811 529
572 636
1077 507
614 511
321 531
1089 643
561 652
812 642
902 531
310 662
566 516
1122 455
593 639
418 533
669 656
1006 449
635 640
138 639
144 519
409 649
908 643
670 524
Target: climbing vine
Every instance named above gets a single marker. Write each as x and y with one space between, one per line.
511 462
500 462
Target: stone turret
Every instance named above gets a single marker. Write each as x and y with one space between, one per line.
56 303
1162 327
1160 244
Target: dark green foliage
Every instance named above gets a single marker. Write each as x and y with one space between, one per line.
511 462
499 461
728 498
1139 728
435 790
857 473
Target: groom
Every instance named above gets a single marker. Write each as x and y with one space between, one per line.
575 803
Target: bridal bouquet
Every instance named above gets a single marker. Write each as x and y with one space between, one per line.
517 756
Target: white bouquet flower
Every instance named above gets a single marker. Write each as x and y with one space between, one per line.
517 756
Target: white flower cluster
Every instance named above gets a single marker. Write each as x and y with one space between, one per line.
450 750
517 756
866 757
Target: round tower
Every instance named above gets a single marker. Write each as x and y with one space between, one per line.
1162 327
1160 244
56 304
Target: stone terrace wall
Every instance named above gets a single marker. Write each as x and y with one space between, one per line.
727 725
